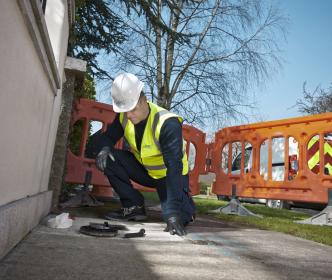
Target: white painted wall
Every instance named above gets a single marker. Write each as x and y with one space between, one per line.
29 110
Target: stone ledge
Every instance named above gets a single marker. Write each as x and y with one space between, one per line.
18 218
75 66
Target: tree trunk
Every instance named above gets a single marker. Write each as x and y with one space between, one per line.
74 68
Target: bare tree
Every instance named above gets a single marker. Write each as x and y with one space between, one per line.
211 52
316 102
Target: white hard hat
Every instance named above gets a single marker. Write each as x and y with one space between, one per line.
126 90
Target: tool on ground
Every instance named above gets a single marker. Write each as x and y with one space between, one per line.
107 225
83 197
140 233
109 230
102 230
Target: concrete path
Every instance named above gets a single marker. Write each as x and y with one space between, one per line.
212 250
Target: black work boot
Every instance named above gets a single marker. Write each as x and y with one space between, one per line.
133 213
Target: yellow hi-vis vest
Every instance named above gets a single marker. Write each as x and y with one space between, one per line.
150 155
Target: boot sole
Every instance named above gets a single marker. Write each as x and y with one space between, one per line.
135 218
138 218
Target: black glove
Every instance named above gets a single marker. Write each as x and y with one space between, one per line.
101 159
175 226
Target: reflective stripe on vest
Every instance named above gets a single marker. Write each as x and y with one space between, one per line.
155 167
154 126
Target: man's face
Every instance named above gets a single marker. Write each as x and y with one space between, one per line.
140 112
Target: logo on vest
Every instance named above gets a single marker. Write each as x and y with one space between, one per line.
147 146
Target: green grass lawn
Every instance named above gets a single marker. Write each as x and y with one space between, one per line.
273 219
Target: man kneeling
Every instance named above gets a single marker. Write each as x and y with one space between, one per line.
157 156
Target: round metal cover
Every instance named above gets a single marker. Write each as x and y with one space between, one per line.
98 231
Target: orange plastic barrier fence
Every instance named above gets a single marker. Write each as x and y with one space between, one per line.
288 159
197 154
84 113
89 115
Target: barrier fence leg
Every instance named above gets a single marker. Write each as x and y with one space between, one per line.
323 218
84 197
234 207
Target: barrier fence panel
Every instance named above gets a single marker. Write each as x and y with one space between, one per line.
84 113
197 152
289 159
89 117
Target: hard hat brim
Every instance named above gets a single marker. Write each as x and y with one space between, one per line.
117 109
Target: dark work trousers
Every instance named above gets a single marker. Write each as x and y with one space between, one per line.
126 167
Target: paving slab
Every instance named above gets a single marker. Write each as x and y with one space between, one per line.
213 249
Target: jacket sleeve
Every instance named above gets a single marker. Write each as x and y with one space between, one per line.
171 142
108 138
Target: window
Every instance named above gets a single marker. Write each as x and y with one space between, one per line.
278 158
236 166
263 159
236 157
192 156
92 144
224 158
43 4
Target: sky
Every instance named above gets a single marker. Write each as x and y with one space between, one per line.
308 57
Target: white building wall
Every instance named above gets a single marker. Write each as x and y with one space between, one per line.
29 111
